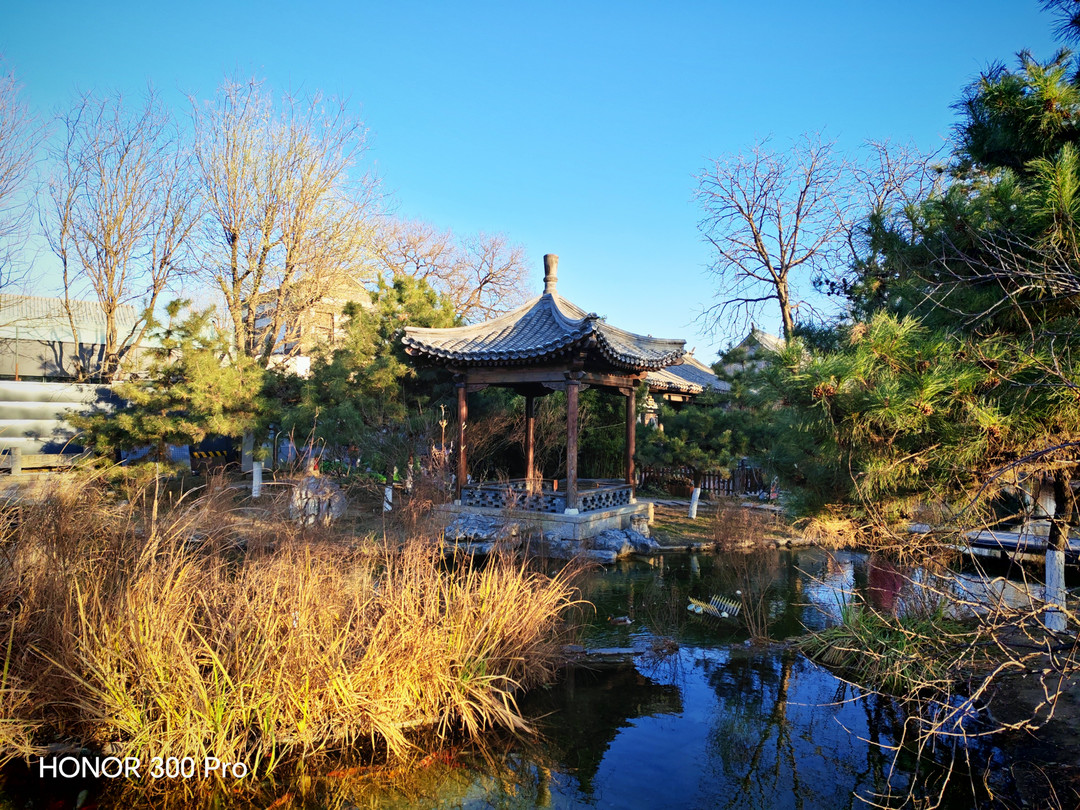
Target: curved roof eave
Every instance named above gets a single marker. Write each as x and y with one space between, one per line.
544 328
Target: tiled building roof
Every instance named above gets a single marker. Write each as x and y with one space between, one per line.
30 317
545 329
691 377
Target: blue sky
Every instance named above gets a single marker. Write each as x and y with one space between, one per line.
573 128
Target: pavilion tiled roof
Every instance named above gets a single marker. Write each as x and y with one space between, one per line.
547 328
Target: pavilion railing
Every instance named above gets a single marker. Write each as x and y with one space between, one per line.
546 496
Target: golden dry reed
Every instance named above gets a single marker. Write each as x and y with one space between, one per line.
122 634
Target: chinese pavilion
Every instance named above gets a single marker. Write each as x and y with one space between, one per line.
549 344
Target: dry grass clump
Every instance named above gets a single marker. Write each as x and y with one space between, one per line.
832 532
931 549
735 527
896 654
122 634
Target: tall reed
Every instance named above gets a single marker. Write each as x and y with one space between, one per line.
121 633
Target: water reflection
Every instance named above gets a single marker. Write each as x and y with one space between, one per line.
783 737
805 589
759 727
585 715
723 723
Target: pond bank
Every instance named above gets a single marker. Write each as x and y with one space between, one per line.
725 526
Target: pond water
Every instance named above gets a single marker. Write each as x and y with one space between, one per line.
720 722
708 720
702 719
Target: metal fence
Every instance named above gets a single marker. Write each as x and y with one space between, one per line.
33 415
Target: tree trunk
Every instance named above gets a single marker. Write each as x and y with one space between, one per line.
695 496
783 295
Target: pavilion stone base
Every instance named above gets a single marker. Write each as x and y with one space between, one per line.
556 526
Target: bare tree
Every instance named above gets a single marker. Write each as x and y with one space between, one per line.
896 177
482 275
19 137
770 214
119 213
889 185
287 215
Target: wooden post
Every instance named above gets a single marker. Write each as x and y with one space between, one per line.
1054 592
462 461
631 435
572 387
530 443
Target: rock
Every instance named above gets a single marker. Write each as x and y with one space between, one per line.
640 524
612 540
316 500
483 549
599 555
560 549
641 542
624 542
481 529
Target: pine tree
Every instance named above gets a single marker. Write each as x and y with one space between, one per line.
194 388
363 392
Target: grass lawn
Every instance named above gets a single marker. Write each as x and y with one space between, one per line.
723 522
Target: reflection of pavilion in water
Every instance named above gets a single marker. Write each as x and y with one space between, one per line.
601 704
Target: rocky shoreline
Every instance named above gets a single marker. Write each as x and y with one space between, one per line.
483 534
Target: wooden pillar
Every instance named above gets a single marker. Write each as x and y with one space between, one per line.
631 435
463 415
572 387
530 443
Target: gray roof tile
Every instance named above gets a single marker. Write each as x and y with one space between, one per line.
543 329
691 376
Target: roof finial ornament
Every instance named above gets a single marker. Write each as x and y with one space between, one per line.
551 273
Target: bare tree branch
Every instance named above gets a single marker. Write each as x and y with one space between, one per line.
289 217
120 212
482 275
769 213
20 136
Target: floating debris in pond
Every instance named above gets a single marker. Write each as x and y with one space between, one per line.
720 607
